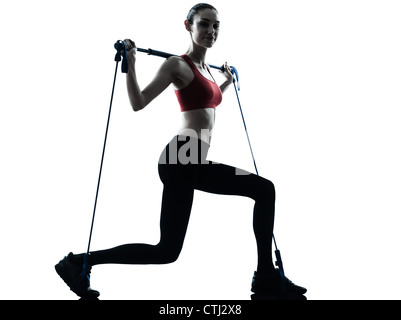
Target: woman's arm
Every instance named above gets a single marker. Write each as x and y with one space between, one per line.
225 85
166 75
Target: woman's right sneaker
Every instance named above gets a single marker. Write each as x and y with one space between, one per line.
75 277
275 284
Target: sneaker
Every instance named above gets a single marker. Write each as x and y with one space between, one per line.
275 284
77 279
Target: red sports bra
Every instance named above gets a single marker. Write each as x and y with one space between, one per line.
200 93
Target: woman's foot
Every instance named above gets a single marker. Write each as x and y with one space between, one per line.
75 277
275 284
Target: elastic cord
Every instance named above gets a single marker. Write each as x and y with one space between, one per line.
279 262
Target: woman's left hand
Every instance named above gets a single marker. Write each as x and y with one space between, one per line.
227 72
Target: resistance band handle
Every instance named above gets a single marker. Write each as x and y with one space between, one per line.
234 71
121 51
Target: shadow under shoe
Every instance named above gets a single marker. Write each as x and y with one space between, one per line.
76 277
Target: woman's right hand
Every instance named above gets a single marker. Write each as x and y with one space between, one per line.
131 51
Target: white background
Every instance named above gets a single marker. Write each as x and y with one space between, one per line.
321 96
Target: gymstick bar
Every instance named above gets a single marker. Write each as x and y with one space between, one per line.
168 55
120 46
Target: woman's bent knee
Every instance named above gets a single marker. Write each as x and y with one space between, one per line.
265 190
168 254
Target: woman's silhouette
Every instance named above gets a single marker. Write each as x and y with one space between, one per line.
183 167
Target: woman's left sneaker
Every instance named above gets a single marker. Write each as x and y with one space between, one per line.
75 277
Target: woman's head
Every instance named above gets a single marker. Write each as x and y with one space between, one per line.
203 24
195 10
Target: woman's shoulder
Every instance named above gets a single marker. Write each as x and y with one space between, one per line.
175 61
170 66
178 66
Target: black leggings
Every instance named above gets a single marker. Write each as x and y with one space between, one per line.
183 168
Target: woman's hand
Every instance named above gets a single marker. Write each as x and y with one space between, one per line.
131 51
228 75
227 72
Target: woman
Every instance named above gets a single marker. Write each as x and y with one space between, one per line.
183 167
